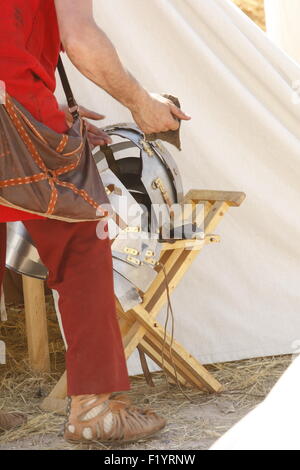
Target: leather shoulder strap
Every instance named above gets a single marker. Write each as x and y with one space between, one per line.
73 106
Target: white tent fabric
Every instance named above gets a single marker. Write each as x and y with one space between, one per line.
241 299
273 425
282 18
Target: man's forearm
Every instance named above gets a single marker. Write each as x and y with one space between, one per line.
96 57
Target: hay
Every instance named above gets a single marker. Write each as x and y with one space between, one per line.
195 422
254 9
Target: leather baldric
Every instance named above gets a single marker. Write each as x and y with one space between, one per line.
72 104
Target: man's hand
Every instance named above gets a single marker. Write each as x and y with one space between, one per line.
154 113
94 55
95 135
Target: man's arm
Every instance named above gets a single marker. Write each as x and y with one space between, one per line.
94 55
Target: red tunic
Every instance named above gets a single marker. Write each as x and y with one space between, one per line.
29 50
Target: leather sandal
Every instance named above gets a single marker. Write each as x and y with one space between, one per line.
110 421
9 421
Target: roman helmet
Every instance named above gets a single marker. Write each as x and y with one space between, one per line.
138 176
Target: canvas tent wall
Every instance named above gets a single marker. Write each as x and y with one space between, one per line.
282 18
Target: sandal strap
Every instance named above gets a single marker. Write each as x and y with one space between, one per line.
91 403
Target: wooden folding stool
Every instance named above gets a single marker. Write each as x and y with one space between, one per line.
139 326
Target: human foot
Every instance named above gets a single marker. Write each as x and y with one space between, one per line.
110 420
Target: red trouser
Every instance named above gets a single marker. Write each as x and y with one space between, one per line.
80 269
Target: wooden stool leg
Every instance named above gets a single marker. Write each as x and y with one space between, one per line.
36 324
57 401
